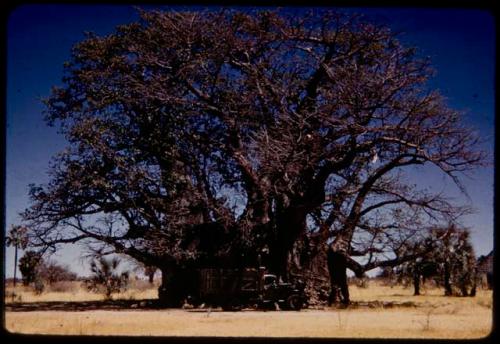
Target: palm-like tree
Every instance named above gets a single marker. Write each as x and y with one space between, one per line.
17 237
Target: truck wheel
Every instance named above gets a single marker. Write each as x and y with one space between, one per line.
294 302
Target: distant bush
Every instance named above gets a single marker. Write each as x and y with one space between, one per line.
39 286
10 295
105 277
52 272
362 282
41 272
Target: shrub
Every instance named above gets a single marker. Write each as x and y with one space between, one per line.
362 282
35 269
105 277
52 272
39 286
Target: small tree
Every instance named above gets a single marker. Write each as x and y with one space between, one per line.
17 238
451 263
28 266
52 272
461 261
106 277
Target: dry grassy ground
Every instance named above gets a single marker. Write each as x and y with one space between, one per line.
72 291
382 312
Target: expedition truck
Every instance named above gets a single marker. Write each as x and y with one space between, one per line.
234 289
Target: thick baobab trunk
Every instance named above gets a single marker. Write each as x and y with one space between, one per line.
178 285
337 267
279 261
171 291
290 225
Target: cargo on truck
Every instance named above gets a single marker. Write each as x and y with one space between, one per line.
234 289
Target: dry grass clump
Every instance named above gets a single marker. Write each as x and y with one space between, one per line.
61 287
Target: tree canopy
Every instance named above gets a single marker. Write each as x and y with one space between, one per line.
261 130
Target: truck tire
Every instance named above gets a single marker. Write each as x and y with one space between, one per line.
294 302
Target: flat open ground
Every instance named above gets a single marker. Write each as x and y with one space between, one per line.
377 312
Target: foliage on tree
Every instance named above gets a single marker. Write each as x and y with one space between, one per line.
218 135
452 263
28 265
17 237
106 278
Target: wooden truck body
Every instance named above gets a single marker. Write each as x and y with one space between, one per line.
233 289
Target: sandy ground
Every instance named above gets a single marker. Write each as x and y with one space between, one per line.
430 316
394 323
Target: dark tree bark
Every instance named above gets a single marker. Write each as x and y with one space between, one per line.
416 283
447 276
290 225
337 267
172 290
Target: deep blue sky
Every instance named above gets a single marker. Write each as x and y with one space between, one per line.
461 44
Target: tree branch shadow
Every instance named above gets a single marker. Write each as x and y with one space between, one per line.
72 306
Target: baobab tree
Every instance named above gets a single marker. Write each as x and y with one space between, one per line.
238 127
